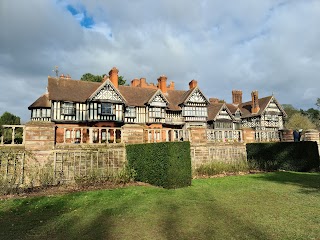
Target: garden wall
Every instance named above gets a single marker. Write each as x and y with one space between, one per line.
216 152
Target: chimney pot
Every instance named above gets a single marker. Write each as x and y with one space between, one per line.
193 84
135 82
143 83
171 86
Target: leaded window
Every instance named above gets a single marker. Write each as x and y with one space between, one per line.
155 112
130 112
106 109
68 108
223 125
195 111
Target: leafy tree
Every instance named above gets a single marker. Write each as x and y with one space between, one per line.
97 78
9 119
318 102
122 81
91 78
289 109
313 115
299 121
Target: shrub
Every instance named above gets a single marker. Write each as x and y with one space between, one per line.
166 164
290 156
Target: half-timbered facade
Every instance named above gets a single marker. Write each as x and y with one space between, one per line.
264 115
77 104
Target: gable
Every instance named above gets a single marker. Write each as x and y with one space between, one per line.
196 96
224 114
158 100
107 92
274 108
219 111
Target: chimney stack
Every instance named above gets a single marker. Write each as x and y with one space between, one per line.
255 102
135 82
171 86
193 84
113 75
213 100
236 97
162 83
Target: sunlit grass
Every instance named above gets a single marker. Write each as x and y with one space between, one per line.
282 205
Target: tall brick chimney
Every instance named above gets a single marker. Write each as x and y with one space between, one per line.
193 84
162 83
236 97
113 75
255 102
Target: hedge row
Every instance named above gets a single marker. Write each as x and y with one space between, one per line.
166 164
290 156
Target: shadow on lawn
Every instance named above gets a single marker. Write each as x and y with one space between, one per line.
309 182
54 218
208 220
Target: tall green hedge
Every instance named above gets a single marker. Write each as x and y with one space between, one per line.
290 156
166 164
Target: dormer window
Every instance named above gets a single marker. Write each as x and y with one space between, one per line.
68 108
105 109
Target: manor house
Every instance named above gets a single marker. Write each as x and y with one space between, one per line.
95 112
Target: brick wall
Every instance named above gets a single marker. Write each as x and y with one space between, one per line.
209 152
248 135
198 135
39 136
132 133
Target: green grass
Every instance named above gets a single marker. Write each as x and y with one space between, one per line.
281 205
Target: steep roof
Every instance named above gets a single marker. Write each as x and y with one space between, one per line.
213 110
176 98
60 89
136 96
70 90
41 102
233 108
80 91
247 106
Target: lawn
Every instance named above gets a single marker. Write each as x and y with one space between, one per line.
281 205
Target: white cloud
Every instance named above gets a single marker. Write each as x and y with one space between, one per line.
269 45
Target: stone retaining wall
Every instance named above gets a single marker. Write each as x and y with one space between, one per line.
211 152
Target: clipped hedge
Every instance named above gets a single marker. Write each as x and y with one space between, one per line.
166 164
289 156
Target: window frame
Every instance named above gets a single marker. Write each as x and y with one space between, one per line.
130 112
69 108
106 109
155 112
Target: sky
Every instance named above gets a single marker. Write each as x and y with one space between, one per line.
272 46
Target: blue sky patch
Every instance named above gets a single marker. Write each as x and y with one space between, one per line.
81 15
